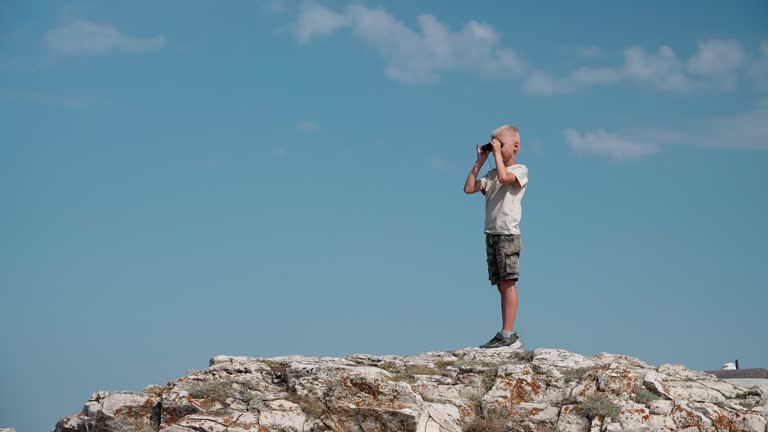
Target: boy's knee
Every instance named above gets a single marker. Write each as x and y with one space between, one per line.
506 284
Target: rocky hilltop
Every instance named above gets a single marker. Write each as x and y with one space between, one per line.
469 390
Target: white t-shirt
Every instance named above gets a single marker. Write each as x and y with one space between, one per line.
502 201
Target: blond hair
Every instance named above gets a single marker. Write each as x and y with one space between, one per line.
511 131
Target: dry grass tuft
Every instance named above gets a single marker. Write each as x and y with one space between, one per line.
643 395
600 406
408 373
495 419
579 374
313 407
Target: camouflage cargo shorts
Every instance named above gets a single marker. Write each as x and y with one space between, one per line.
503 252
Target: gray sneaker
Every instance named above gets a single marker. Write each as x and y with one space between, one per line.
498 341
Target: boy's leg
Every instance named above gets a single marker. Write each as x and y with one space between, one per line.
508 257
508 292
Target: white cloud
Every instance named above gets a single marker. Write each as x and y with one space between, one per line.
415 55
430 49
716 64
717 58
747 130
662 69
605 143
87 38
317 20
743 131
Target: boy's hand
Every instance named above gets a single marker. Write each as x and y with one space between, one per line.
496 145
481 155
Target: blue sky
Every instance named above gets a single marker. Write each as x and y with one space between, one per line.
184 179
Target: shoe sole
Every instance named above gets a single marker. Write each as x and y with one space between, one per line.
515 345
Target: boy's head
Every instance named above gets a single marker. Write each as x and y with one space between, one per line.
510 137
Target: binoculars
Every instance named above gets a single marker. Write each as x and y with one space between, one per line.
488 147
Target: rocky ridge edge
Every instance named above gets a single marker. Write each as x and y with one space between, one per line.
467 390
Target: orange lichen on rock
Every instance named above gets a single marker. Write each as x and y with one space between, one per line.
465 412
534 411
723 422
201 404
690 420
521 389
585 391
133 412
363 386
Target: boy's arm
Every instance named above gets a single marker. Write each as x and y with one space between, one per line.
472 185
501 170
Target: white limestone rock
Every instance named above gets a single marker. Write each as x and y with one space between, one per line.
372 402
116 411
429 392
571 420
661 407
282 414
662 423
538 412
750 422
439 417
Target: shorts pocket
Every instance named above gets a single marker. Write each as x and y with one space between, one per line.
511 263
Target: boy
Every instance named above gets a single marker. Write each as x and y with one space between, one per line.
503 188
